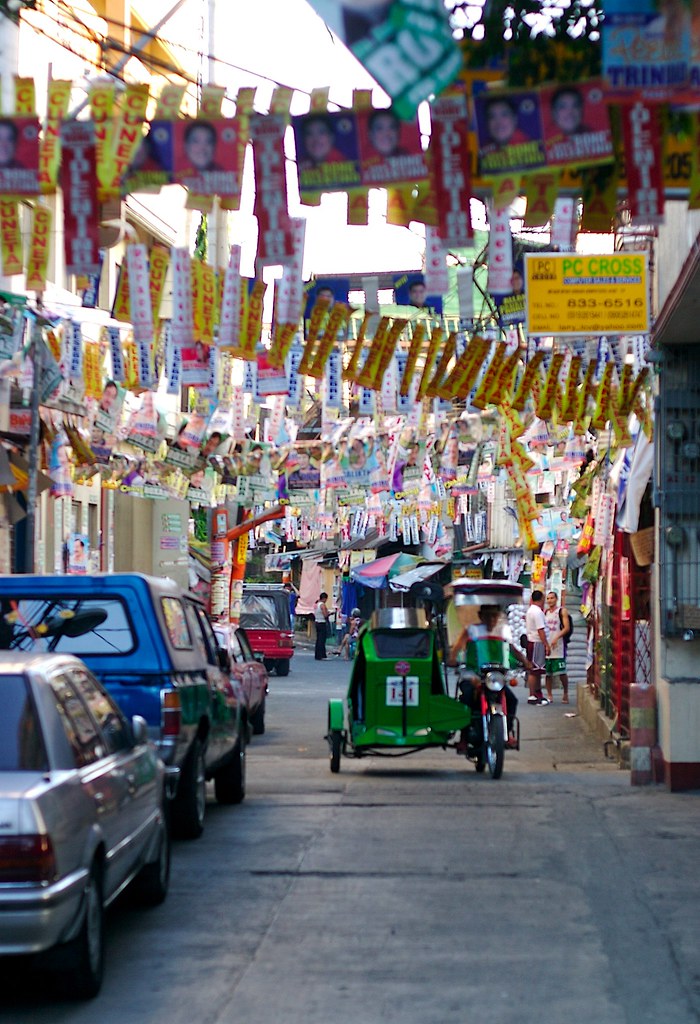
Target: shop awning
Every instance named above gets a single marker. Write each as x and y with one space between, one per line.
376 574
405 580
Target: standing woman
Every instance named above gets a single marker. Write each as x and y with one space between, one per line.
321 615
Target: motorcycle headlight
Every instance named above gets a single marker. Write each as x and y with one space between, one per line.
494 681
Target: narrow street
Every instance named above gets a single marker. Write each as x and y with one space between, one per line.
411 890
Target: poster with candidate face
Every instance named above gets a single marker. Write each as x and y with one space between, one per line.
390 149
327 151
152 164
511 305
509 131
206 157
330 290
410 290
19 156
576 125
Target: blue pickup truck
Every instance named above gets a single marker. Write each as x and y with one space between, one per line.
153 647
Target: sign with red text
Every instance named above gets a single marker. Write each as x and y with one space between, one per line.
80 207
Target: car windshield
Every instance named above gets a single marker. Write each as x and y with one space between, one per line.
400 643
21 743
265 611
82 626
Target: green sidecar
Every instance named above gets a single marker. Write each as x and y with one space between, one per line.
397 701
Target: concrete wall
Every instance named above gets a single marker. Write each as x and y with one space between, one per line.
675 240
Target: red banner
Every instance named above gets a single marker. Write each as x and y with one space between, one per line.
275 235
643 158
80 206
451 171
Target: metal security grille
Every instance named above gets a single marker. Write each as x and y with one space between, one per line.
678 489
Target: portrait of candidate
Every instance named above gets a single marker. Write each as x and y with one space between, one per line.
19 155
411 290
200 141
384 130
501 121
9 138
206 156
152 162
325 290
566 107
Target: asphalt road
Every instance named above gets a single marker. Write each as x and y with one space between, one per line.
413 891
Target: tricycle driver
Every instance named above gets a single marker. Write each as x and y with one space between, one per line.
488 626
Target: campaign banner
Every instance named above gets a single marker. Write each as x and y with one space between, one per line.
80 206
10 237
182 322
57 100
19 156
390 149
271 380
407 47
159 261
289 293
641 126
115 347
275 234
572 293
128 133
500 253
151 165
451 169
509 131
411 290
327 150
141 312
206 156
230 314
576 125
646 50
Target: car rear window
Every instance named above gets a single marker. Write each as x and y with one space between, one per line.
21 742
66 625
399 643
265 611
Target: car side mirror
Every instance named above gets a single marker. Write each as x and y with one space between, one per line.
139 728
223 659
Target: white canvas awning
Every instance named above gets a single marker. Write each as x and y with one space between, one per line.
405 580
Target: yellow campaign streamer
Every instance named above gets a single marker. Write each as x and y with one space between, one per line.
101 109
546 402
159 261
586 391
128 133
196 289
462 378
366 376
541 190
351 369
121 310
92 371
318 314
481 398
208 283
25 96
255 315
601 413
504 190
502 389
11 237
282 342
244 108
527 380
419 332
39 247
433 349
58 98
131 365
568 405
387 352
339 316
441 370
169 102
628 398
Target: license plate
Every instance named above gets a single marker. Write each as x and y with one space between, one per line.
394 691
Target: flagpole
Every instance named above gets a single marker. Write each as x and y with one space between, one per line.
34 433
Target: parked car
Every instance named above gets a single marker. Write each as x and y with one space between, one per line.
153 647
248 670
82 813
268 625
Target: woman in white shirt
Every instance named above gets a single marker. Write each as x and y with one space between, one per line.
321 616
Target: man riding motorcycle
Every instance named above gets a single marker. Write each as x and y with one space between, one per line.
488 628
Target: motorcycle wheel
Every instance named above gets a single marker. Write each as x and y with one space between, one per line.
495 747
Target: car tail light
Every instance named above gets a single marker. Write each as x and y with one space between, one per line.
170 713
285 639
27 859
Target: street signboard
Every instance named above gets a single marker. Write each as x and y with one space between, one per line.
580 294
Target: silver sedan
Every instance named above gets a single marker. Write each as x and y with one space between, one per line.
82 814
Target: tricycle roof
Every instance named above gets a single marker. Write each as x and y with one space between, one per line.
399 618
478 592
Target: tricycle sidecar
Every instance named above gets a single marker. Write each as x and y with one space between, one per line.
397 701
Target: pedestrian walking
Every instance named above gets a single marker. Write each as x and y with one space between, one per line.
557 620
321 616
538 648
293 595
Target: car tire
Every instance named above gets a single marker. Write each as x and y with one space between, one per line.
269 664
229 781
257 720
152 881
82 959
190 802
282 666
